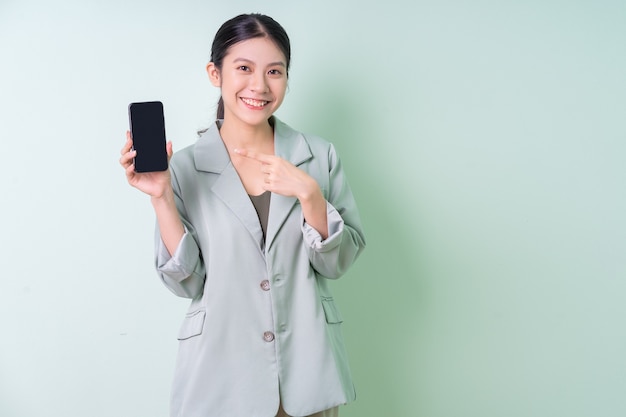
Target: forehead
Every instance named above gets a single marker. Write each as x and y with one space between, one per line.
257 50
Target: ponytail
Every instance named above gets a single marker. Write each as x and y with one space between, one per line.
220 108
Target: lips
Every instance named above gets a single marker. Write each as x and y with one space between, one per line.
254 103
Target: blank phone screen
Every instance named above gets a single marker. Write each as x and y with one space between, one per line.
147 126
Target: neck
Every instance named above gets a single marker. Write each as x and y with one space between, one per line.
241 135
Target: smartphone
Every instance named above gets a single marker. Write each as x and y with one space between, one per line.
147 127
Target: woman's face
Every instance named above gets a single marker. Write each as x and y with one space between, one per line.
253 80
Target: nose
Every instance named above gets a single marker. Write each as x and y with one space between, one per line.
258 83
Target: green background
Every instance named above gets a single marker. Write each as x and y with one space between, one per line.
485 142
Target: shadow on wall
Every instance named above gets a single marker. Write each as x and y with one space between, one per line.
383 297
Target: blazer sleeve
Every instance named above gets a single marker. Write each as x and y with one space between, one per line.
184 272
333 256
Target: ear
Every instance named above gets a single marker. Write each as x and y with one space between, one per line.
214 74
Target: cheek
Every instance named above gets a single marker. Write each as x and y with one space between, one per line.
232 82
280 88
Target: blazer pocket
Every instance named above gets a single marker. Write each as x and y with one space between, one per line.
331 311
192 325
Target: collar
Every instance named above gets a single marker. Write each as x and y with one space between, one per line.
211 155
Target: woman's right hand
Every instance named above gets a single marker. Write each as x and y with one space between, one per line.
155 184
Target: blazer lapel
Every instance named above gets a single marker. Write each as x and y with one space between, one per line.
210 155
291 146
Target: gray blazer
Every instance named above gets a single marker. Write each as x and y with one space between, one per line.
262 325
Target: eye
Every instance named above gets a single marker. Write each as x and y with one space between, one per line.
275 72
243 68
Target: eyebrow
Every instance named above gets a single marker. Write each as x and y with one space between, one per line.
271 64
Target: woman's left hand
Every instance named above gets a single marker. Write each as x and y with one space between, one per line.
282 177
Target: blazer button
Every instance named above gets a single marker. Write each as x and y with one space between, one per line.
265 285
268 336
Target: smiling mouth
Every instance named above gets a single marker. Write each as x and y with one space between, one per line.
254 103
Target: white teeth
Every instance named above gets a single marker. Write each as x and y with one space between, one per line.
255 103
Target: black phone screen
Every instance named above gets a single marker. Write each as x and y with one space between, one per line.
147 126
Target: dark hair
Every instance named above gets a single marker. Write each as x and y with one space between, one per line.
244 27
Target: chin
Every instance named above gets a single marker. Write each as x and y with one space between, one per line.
257 116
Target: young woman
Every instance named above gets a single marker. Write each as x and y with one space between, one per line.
252 222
